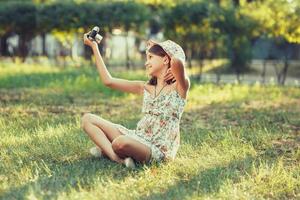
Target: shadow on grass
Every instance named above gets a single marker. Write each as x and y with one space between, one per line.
245 113
57 164
69 175
210 181
66 166
207 181
85 172
249 126
277 125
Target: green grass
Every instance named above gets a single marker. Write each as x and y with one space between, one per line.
237 141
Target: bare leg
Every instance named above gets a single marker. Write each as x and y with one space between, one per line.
102 132
125 146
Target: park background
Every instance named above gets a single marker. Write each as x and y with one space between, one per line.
240 131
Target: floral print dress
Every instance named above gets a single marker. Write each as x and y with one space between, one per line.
159 126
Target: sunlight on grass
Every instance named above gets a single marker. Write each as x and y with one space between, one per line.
237 141
13 69
208 65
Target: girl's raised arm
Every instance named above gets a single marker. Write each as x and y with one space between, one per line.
178 71
114 83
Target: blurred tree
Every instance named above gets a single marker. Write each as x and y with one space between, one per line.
19 18
6 28
52 18
238 30
219 28
45 23
192 29
279 20
206 25
134 21
160 3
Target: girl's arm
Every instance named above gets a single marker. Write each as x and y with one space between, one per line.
114 83
179 72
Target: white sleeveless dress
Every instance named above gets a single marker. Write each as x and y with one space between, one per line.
159 126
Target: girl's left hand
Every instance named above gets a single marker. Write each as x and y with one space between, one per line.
88 42
169 76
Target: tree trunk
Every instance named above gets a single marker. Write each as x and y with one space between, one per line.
201 70
127 51
218 77
235 65
87 52
238 76
276 71
23 47
284 71
4 45
263 74
189 57
44 51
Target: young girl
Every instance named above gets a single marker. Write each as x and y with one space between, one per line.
156 137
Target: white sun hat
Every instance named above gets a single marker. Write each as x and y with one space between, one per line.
171 48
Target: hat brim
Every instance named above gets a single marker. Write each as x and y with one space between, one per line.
171 48
150 43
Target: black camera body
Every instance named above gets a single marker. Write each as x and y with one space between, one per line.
94 35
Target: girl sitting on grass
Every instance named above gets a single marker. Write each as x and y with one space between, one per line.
156 137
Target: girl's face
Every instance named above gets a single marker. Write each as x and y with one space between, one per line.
155 64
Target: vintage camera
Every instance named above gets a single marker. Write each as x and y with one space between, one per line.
94 35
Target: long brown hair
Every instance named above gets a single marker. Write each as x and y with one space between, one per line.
158 51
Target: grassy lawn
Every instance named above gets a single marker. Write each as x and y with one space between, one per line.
237 141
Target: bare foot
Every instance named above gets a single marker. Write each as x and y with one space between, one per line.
96 152
117 159
129 162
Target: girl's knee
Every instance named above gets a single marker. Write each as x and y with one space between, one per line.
85 120
120 143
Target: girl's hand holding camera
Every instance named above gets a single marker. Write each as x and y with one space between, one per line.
89 42
92 38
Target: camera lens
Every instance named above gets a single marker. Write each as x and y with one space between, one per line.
93 34
96 28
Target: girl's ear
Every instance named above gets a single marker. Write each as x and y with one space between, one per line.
166 60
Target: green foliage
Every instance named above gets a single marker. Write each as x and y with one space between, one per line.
61 16
277 18
192 29
67 16
278 21
18 17
4 18
128 15
206 29
209 26
238 30
187 25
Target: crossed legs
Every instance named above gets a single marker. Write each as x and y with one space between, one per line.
112 142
